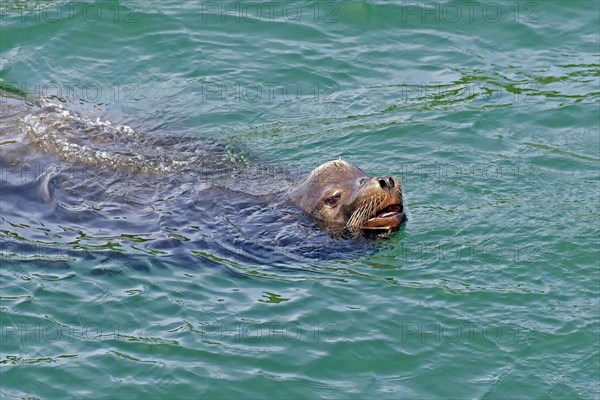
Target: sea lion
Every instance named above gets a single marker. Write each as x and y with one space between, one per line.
341 197
188 199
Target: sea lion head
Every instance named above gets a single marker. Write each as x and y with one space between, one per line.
340 195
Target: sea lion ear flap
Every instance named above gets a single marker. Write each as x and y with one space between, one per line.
295 194
305 194
300 195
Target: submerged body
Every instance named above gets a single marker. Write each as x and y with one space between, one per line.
78 185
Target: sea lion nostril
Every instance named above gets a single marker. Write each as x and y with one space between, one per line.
386 183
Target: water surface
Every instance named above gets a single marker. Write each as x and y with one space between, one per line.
134 266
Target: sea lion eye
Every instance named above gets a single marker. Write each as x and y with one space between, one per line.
331 201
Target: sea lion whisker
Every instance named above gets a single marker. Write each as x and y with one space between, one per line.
361 213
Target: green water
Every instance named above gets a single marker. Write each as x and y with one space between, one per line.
487 112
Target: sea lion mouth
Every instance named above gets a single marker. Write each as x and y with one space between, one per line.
388 211
390 216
